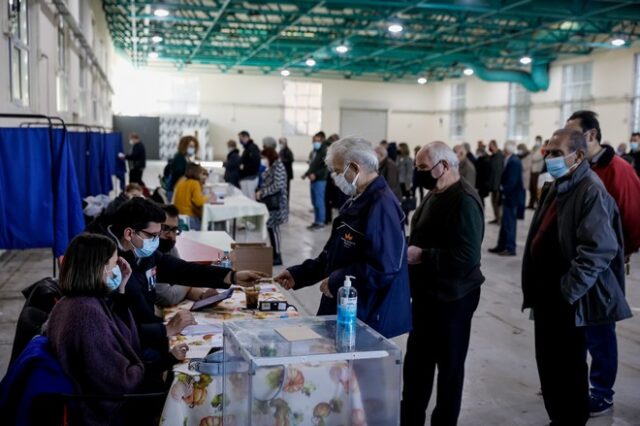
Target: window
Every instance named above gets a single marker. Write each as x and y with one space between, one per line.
457 114
302 107
82 84
635 113
518 119
19 52
576 89
62 74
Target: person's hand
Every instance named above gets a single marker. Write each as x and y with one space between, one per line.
179 321
208 293
414 255
125 270
249 278
285 279
179 351
121 155
196 293
324 288
258 194
312 177
304 177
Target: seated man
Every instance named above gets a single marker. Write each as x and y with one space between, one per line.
136 228
172 294
132 190
367 241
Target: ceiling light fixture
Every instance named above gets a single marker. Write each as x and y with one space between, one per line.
617 42
422 80
342 49
161 13
525 60
153 55
156 38
310 62
468 71
285 73
395 28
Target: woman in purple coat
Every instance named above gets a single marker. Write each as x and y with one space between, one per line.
92 332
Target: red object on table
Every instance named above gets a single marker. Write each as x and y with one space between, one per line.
193 251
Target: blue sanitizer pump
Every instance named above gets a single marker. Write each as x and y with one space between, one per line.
347 303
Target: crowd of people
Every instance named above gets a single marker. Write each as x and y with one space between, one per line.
428 284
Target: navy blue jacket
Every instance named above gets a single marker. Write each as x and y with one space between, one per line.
511 185
367 241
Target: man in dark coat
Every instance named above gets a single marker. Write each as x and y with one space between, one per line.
572 274
137 159
249 165
232 164
513 199
495 178
389 171
444 266
367 242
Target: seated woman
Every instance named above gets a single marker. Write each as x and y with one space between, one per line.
92 332
188 196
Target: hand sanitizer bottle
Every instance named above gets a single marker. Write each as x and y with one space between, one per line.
347 303
226 260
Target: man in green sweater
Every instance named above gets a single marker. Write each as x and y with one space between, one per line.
444 272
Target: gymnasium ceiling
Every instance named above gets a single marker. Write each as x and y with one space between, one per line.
439 39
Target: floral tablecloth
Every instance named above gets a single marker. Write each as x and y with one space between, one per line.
305 394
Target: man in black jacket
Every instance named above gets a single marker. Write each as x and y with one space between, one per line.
136 228
232 164
137 159
497 165
249 165
317 174
444 269
572 274
286 156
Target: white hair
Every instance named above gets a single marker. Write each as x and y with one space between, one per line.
353 149
510 147
269 142
440 151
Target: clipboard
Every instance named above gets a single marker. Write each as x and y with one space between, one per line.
211 301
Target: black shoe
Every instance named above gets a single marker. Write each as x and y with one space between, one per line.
599 406
507 253
312 226
496 250
494 222
277 260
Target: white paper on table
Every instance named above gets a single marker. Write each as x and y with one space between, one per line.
200 351
199 329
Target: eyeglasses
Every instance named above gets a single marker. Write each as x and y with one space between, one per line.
166 229
149 234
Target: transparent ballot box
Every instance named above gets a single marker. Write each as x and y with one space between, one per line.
294 372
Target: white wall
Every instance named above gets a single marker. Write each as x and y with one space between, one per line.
417 114
43 62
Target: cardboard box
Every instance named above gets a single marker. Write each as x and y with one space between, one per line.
252 256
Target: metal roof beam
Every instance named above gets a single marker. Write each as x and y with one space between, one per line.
210 30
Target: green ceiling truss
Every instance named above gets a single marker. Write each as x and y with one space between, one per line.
440 38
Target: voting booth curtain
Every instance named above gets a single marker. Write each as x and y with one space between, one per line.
40 203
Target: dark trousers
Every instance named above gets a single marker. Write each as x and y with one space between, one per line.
440 338
533 190
288 191
562 362
603 346
135 176
274 237
507 236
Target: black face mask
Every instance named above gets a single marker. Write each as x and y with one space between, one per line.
166 245
425 180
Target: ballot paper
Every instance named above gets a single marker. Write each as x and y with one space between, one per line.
199 329
297 333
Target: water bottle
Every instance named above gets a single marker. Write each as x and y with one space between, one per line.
347 303
226 260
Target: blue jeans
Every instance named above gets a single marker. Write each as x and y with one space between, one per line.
318 189
195 223
507 238
603 347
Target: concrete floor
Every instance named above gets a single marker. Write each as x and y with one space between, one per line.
502 383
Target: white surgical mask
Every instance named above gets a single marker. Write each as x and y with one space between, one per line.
131 141
344 186
191 151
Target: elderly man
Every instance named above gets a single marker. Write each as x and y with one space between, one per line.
444 258
466 168
367 241
388 170
572 274
513 198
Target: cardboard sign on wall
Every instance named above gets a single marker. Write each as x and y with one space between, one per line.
252 256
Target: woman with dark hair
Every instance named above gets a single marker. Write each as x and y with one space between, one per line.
92 331
273 193
188 196
187 149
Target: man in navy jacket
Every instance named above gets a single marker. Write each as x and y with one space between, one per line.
513 198
367 241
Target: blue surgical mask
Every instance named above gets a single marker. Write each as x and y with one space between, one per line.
191 151
634 146
557 166
317 145
114 281
148 247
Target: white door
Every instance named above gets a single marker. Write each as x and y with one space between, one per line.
367 123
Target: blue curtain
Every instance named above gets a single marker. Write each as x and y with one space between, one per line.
40 204
113 146
79 145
